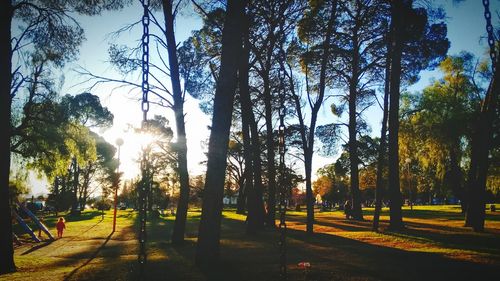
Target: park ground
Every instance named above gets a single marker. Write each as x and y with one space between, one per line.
434 246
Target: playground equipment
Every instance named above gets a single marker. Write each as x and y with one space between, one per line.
34 218
26 227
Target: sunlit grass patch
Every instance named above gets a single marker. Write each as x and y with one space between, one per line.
340 249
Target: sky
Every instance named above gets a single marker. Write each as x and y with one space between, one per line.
466 27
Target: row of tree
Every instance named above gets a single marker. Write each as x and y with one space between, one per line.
300 51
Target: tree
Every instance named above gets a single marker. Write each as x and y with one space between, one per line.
251 138
482 143
51 30
399 8
169 95
101 172
425 47
314 64
360 43
441 118
271 21
159 161
84 111
207 251
382 150
337 185
178 107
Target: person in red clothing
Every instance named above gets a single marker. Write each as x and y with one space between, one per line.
60 227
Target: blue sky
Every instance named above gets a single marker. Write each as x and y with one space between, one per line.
466 26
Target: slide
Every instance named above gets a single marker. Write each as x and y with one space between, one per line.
36 220
25 226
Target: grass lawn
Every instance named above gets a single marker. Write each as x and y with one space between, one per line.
434 246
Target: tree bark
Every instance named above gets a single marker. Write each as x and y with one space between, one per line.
256 221
456 176
7 255
254 202
357 213
379 185
208 252
271 165
397 10
241 203
353 150
182 206
76 177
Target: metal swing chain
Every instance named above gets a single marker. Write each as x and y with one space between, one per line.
282 167
145 59
143 192
144 189
491 36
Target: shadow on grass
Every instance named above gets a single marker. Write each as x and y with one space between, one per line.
92 257
457 238
256 257
87 215
334 255
37 247
433 214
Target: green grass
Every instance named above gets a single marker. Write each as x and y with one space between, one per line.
434 246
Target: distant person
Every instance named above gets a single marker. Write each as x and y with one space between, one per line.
40 229
348 209
60 227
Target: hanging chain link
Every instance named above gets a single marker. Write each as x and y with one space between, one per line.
144 187
491 35
144 190
282 186
145 59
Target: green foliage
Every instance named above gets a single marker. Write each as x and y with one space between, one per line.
18 186
50 133
102 205
426 43
199 59
437 125
86 109
332 183
328 135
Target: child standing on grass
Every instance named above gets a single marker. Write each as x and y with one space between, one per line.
60 227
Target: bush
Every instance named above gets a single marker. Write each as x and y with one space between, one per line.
103 205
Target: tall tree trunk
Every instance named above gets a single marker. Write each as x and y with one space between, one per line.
7 255
76 177
56 194
182 206
353 156
456 176
271 165
208 252
241 203
256 221
397 10
268 113
246 108
308 146
381 161
353 141
481 145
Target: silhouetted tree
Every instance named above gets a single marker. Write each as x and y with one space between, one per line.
207 251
